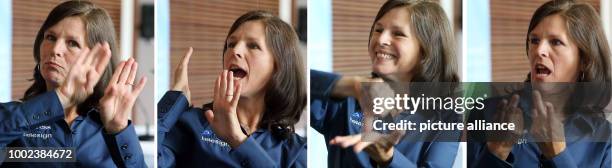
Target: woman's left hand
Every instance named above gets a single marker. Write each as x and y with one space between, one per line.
548 130
120 96
223 117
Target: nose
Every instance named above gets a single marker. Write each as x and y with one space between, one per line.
384 39
543 49
59 49
239 50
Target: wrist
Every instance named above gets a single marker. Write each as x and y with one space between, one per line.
63 98
551 149
237 140
115 128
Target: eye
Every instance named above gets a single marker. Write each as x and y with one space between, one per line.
534 40
399 33
51 38
253 46
379 30
556 42
231 44
72 43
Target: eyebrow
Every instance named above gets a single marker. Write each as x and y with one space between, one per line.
69 35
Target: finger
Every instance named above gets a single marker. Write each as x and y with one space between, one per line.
186 58
230 86
223 90
210 116
92 53
237 94
102 58
217 88
514 101
538 103
133 71
346 141
360 146
140 86
549 111
125 72
82 56
117 72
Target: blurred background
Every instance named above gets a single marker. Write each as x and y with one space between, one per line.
338 35
133 21
203 25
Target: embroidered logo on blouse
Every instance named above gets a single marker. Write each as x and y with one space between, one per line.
40 132
356 118
209 136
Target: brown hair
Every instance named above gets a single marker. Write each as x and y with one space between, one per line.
586 30
285 97
99 28
432 29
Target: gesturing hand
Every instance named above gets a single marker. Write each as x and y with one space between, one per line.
181 80
120 96
84 75
507 112
547 128
223 117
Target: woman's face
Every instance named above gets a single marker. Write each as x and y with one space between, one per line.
553 56
249 57
61 46
394 50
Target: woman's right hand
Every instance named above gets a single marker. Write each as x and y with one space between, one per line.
508 112
84 75
181 82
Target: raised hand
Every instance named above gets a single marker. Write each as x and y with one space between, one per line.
181 80
507 112
84 75
547 128
223 117
120 96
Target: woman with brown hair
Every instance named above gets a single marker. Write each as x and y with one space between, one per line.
410 41
560 118
258 97
76 101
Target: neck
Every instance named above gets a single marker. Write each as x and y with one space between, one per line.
70 114
250 110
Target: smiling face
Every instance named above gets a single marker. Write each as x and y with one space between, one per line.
61 46
553 56
394 50
249 57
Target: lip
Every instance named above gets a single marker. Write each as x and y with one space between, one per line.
384 55
541 71
235 68
54 65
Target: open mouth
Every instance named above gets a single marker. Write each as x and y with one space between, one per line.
238 71
542 71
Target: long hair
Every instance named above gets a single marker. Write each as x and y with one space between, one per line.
99 28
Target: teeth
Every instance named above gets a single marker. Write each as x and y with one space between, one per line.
384 56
